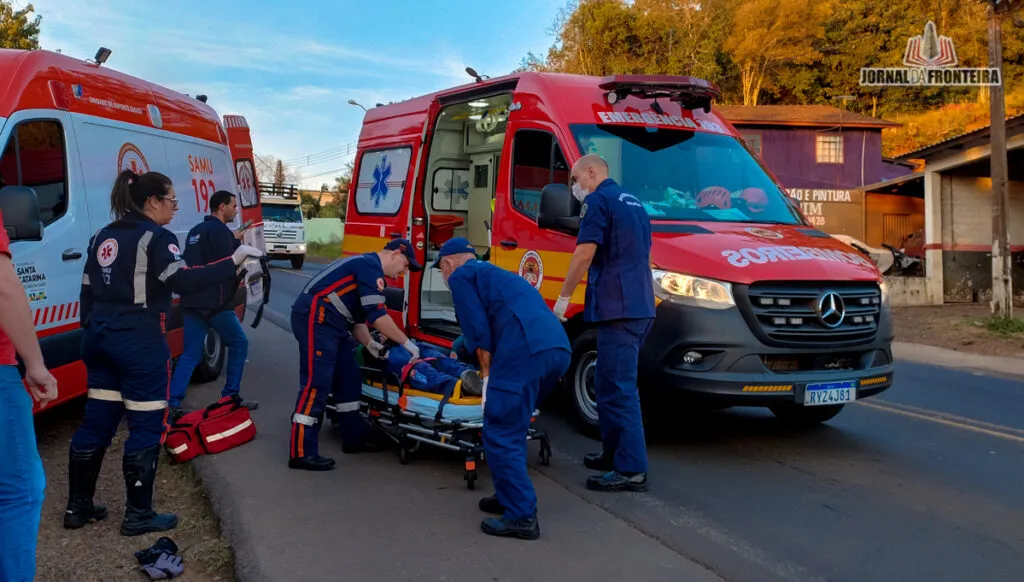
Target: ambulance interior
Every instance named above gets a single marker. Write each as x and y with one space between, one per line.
460 186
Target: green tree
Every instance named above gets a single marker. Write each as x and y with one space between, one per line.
16 30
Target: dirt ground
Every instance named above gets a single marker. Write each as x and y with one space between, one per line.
98 552
960 327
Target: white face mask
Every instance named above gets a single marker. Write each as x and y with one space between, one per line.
579 193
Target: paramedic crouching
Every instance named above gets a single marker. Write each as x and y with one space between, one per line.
209 241
614 243
338 303
132 267
523 351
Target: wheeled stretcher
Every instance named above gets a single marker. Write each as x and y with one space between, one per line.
412 418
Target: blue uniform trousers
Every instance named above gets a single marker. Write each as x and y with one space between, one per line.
515 388
327 364
618 400
129 374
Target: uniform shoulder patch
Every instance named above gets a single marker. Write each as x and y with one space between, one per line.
583 210
107 252
175 251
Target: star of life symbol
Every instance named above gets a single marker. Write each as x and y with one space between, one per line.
107 252
930 60
381 173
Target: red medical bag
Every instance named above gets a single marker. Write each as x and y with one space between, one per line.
223 425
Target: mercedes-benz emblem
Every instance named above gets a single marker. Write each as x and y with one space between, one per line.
831 309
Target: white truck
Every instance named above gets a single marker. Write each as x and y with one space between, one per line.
283 227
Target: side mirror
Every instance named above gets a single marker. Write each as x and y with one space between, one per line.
20 209
559 210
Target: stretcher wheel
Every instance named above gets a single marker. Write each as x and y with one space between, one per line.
471 480
404 455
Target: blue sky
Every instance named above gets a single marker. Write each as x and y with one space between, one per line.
291 71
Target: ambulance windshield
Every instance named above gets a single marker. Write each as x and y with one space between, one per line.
687 175
281 213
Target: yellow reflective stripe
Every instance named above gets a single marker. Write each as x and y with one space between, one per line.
108 395
147 406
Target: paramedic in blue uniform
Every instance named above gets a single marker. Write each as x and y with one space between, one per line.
209 241
523 352
132 267
614 249
331 313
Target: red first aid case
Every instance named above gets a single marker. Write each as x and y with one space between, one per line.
223 425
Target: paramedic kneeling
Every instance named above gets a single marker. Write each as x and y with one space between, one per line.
523 351
336 305
209 241
614 243
132 267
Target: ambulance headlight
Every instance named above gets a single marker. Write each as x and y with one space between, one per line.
699 291
883 286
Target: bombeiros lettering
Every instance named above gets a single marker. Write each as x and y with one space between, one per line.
771 254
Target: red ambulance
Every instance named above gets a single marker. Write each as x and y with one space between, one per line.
755 306
67 128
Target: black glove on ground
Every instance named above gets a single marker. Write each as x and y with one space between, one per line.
166 566
164 545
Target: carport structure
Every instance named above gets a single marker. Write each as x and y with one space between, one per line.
957 187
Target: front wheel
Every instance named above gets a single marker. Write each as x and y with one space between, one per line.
805 416
297 261
580 384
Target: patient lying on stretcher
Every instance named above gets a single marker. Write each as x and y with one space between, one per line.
434 372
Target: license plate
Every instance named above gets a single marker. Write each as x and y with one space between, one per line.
830 393
281 247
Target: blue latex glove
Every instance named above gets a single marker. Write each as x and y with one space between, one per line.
166 566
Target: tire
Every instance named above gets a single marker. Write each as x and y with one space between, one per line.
212 363
798 416
297 261
579 385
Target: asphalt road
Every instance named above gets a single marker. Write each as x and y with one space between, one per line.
925 482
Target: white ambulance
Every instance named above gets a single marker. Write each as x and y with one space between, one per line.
67 128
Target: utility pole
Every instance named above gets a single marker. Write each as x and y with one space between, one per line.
1002 283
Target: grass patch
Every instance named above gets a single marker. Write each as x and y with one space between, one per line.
328 250
1004 326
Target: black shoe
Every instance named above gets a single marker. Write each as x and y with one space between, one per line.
524 529
372 442
311 463
615 481
139 476
177 412
492 505
598 462
83 470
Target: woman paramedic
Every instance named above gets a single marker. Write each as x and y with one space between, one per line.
132 267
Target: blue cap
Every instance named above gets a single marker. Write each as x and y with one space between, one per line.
455 246
406 247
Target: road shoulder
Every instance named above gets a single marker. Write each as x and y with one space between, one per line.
936 356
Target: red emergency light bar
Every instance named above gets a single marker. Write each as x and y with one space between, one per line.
689 92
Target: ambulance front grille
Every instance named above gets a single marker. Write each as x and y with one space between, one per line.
814 312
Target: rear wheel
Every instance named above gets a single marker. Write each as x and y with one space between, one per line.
805 416
212 361
580 384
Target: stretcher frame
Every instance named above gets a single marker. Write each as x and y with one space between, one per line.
410 430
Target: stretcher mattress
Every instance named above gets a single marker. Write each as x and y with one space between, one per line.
458 408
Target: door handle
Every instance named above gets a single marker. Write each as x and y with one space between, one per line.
509 244
71 255
395 234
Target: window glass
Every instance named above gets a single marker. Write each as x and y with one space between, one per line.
34 156
537 161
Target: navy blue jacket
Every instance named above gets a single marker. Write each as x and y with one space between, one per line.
209 241
351 288
503 314
619 282
132 268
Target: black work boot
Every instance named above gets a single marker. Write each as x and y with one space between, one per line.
598 461
524 529
616 481
311 463
491 505
372 440
139 476
83 470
